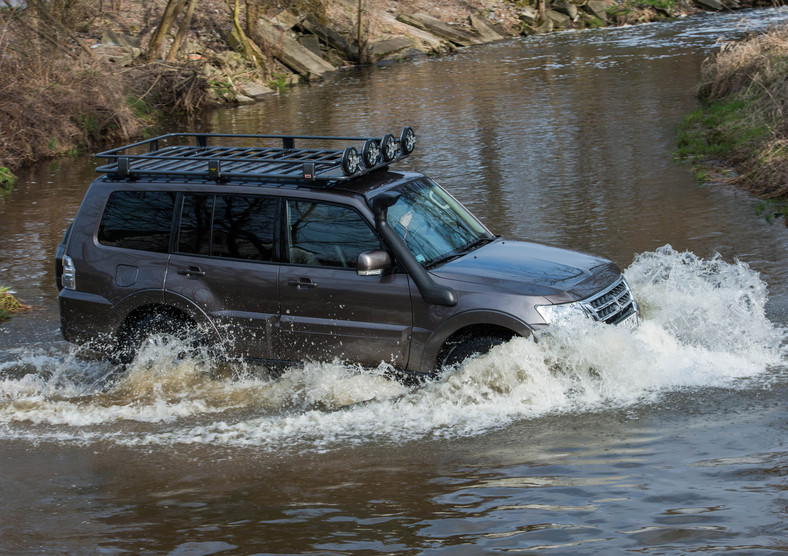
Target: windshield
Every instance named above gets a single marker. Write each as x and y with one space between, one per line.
433 224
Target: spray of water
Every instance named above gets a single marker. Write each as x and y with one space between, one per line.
704 325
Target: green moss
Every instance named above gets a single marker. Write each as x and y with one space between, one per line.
666 5
772 208
88 123
9 305
279 83
7 179
718 131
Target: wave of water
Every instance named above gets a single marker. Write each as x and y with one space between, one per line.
704 325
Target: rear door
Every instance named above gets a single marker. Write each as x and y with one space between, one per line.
327 310
224 265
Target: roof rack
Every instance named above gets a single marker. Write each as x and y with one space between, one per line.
250 159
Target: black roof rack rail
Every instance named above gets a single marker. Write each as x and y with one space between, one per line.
249 159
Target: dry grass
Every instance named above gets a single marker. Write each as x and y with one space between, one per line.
50 108
56 101
754 73
53 98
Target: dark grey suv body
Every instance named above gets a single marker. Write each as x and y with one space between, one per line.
276 256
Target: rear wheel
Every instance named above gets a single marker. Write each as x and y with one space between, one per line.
164 328
462 349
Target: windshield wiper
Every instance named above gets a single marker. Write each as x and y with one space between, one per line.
476 244
459 253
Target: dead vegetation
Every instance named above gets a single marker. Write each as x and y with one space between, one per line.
47 109
10 305
750 75
58 98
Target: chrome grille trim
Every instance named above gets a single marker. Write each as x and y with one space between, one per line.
613 304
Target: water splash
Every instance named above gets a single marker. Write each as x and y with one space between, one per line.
704 325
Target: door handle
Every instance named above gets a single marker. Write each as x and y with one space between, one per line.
302 282
192 271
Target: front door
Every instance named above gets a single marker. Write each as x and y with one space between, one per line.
328 311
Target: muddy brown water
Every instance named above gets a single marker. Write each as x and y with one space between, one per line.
668 439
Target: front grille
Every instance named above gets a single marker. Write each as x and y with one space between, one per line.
612 305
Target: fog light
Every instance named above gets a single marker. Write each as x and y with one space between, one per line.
371 153
350 161
407 140
388 146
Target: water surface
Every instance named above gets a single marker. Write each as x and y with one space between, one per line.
666 439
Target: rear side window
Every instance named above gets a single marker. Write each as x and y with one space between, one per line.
138 220
229 226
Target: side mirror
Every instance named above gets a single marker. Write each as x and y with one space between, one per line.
373 263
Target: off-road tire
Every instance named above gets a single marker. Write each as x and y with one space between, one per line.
461 350
132 339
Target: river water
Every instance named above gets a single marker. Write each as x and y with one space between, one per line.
668 439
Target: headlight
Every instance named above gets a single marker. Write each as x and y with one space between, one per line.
553 314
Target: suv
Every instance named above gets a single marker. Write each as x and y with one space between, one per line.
285 253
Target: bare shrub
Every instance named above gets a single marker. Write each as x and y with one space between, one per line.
51 108
169 89
54 98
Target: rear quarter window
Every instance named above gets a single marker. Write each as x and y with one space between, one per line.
139 220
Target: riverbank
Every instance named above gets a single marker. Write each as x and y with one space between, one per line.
740 135
79 77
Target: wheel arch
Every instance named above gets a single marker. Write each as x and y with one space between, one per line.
468 325
138 314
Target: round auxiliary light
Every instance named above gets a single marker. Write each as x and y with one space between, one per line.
350 161
388 147
371 153
407 140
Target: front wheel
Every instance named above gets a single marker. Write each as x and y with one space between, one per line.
461 350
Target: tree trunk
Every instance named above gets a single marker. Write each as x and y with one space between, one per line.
174 7
251 51
184 28
252 15
52 22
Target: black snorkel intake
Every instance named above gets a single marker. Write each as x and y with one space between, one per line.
432 293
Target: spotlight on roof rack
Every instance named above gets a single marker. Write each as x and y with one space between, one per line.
407 140
388 147
350 161
371 153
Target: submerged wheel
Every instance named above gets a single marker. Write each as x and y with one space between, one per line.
167 326
462 349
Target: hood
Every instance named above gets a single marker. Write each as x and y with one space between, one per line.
532 269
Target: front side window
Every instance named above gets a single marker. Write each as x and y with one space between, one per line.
228 226
138 220
433 224
322 234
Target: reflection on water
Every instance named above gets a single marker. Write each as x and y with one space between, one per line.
666 439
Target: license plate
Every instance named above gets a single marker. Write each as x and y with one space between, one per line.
631 322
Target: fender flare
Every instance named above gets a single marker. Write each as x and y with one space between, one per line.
468 319
154 300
